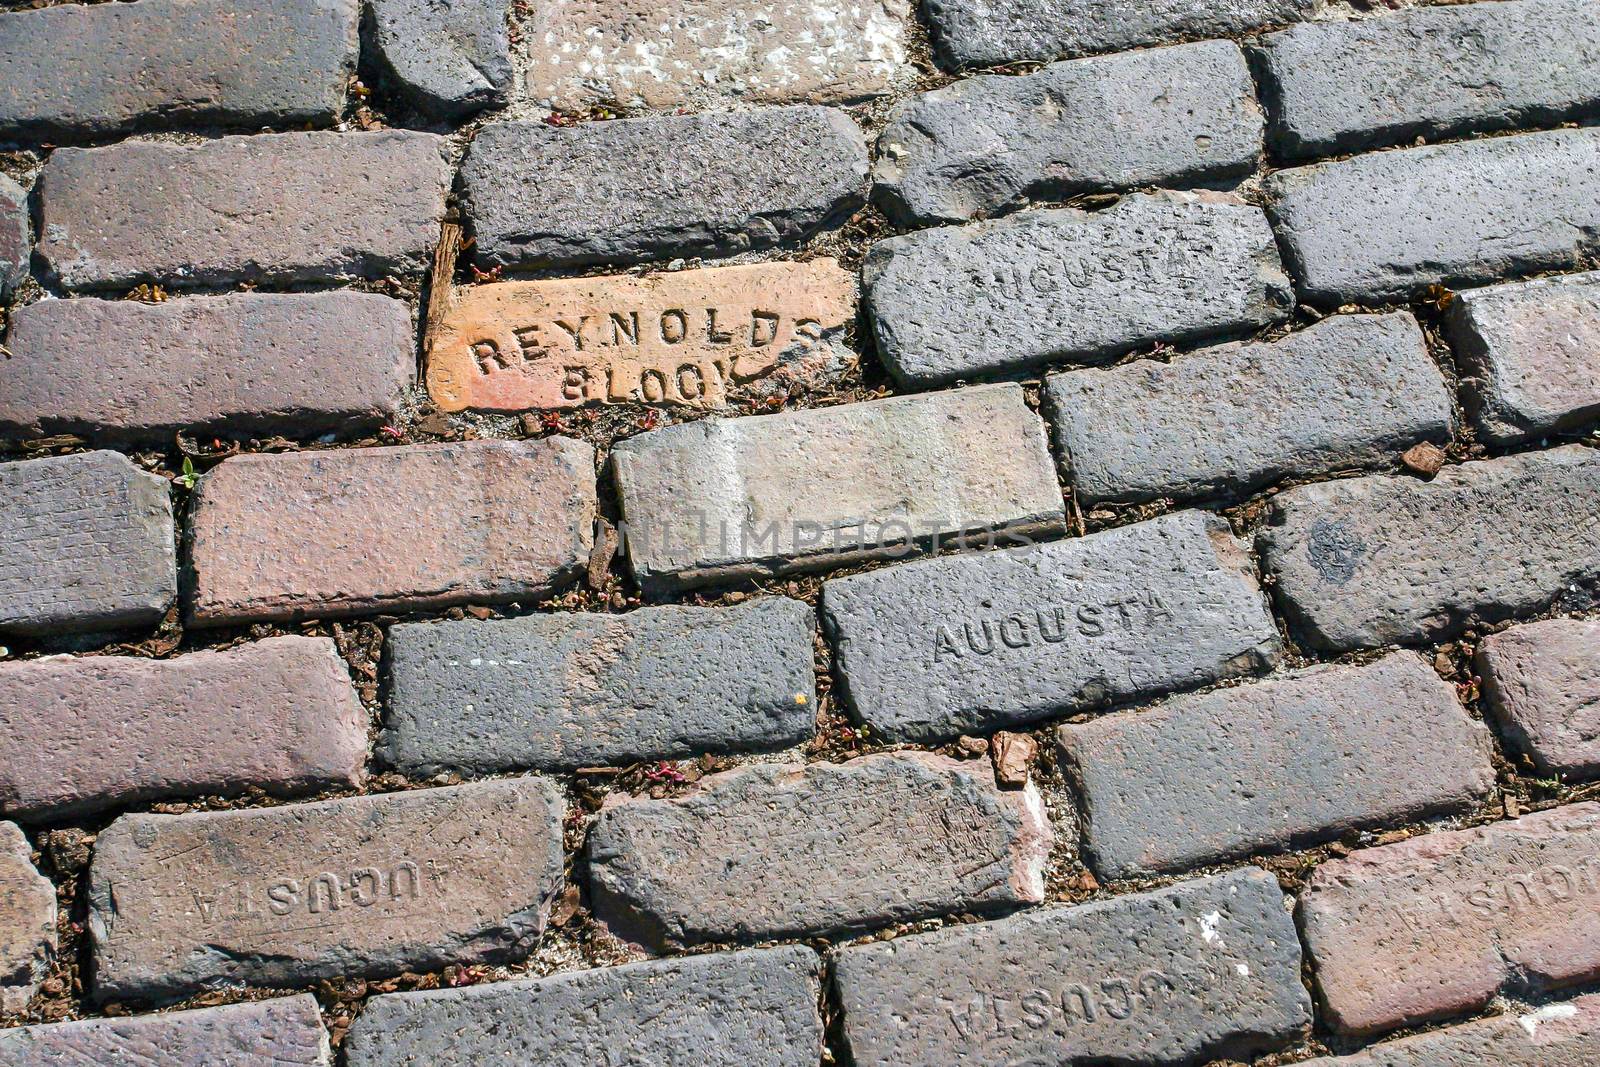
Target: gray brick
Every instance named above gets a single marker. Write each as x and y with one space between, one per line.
452 57
1529 352
1379 560
775 850
633 190
299 363
1351 391
1541 681
363 887
1284 763
289 207
581 690
1430 72
16 241
1387 225
1065 284
1202 969
932 649
1556 1035
286 1032
1165 116
88 545
730 499
88 70
756 1008
27 924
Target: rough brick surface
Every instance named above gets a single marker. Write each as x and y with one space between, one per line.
245 362
582 690
27 923
1542 682
1202 969
672 53
1430 71
1374 561
934 648
88 545
652 188
286 1032
77 70
728 499
959 301
363 887
1387 225
756 1008
16 242
307 534
1351 391
1531 351
774 850
81 735
452 57
1436 925
1556 1035
290 207
1165 116
1283 763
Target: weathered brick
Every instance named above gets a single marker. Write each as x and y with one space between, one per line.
931 649
1437 925
1386 226
306 534
82 70
985 33
1529 352
651 188
1351 391
286 1032
88 545
673 53
730 499
1375 561
16 242
958 301
289 207
246 362
1164 116
363 887
756 1008
1430 72
582 690
688 337
1283 763
82 735
1542 683
27 923
1201 969
452 57
778 850
1556 1035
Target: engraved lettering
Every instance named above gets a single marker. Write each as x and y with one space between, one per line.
674 326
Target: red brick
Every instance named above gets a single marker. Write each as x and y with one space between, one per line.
1556 1035
27 922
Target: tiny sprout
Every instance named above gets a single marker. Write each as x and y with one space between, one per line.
189 475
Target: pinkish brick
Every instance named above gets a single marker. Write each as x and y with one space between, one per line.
27 922
1542 682
284 1032
1555 1035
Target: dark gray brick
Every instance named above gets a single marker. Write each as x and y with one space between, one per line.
286 1032
27 924
1541 681
16 241
452 57
1199 970
1556 1035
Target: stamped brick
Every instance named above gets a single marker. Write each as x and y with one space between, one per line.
1164 116
278 208
1201 969
1066 284
677 53
1437 925
319 534
363 887
583 690
693 337
1542 683
1383 560
732 499
756 1008
1556 1035
245 363
81 735
452 57
27 923
88 545
632 190
92 69
1351 391
1284 763
286 1032
1387 225
782 850
1531 351
935 648
1342 86
16 242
